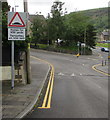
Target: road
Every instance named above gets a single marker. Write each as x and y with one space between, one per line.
78 90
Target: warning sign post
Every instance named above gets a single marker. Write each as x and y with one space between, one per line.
16 31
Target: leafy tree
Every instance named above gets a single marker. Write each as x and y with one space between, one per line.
56 25
76 24
39 29
91 36
5 9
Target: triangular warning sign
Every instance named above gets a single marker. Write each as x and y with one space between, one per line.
16 21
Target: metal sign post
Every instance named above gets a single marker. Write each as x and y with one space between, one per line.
12 68
78 44
83 47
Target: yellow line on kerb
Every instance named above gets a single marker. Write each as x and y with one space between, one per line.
47 92
94 68
49 87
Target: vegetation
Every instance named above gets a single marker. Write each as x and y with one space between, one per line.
5 9
56 26
98 17
102 45
79 29
39 31
70 29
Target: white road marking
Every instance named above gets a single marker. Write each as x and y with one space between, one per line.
61 74
99 86
73 75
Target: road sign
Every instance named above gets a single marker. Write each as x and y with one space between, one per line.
17 19
83 44
16 34
78 43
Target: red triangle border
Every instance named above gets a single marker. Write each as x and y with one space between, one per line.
13 19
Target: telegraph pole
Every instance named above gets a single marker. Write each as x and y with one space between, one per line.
84 39
28 49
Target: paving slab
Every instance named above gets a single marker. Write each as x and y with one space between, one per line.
103 68
18 102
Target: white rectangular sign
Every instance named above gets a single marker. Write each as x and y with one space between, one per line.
83 44
16 34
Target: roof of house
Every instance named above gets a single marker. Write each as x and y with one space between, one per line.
105 33
32 17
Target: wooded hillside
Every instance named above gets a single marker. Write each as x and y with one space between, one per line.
99 17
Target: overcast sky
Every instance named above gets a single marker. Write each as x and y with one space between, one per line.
44 6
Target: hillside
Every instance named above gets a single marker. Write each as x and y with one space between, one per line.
99 17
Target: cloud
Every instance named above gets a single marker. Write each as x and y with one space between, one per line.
44 6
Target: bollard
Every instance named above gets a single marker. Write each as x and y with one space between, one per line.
102 62
105 62
78 55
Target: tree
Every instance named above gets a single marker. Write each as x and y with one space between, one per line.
91 36
56 24
5 9
76 23
39 29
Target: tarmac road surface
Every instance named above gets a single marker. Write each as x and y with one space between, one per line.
78 90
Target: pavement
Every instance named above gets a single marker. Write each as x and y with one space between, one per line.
103 68
18 102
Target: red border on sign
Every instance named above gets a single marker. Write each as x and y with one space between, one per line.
13 19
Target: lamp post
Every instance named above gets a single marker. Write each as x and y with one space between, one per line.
16 7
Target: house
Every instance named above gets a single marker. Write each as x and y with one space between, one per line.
32 17
104 35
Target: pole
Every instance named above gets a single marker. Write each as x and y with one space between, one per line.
28 49
81 49
12 68
48 27
84 39
78 44
12 60
78 48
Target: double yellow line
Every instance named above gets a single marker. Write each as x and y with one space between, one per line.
48 95
94 68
